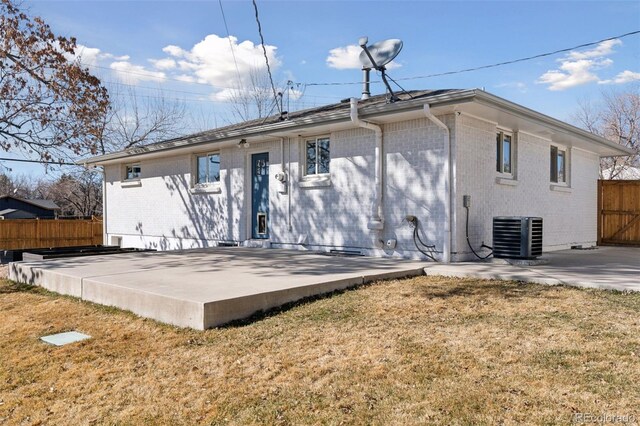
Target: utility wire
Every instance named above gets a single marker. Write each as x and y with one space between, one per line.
528 58
266 58
57 163
226 27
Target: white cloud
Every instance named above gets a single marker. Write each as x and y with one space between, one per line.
578 68
130 73
344 58
91 56
174 51
517 85
163 64
623 77
87 55
602 49
211 61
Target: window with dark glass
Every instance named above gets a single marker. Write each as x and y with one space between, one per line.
133 171
504 153
208 168
558 163
317 156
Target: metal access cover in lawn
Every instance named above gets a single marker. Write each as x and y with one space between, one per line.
205 288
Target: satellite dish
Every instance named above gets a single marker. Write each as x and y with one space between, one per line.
381 52
376 56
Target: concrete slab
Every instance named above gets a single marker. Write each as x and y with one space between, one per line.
207 287
613 268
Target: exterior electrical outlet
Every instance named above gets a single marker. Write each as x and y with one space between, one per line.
517 237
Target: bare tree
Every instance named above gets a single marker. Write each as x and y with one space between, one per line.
615 117
50 105
254 99
137 120
77 193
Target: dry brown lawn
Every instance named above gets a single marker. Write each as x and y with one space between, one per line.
427 350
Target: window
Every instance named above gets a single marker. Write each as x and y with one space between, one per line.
504 153
317 156
132 171
208 169
558 165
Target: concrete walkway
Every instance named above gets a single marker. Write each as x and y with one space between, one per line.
209 287
613 268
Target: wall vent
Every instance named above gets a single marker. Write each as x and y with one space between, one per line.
517 237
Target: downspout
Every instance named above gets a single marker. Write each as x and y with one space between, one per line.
446 171
288 184
376 222
104 206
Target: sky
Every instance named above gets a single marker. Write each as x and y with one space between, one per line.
182 48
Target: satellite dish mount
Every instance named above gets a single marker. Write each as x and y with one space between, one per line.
376 56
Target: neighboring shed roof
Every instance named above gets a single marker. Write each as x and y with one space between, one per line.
44 204
16 214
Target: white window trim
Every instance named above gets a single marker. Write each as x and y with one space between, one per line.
566 185
319 180
501 177
304 155
132 165
133 182
207 187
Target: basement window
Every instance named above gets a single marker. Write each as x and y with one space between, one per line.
317 156
558 165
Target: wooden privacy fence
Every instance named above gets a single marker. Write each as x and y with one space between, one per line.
619 212
38 233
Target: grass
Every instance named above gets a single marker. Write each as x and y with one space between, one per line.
426 350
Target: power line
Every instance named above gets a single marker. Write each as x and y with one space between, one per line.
528 58
266 58
57 163
224 19
162 89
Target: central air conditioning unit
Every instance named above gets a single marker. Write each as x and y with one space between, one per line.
516 237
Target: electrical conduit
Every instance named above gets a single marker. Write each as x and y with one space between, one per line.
446 171
376 222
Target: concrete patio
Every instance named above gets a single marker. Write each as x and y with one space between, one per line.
208 287
612 268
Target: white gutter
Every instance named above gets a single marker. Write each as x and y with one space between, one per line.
376 222
446 171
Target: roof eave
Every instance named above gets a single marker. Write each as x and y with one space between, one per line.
370 111
492 100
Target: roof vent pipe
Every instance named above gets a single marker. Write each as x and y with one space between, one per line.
366 91
376 222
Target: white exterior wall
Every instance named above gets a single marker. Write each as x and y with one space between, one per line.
162 212
569 216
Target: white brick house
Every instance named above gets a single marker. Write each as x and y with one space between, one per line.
353 173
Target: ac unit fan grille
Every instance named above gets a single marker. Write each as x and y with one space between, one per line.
517 237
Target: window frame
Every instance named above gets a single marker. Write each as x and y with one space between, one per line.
500 140
553 164
196 174
132 166
315 140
